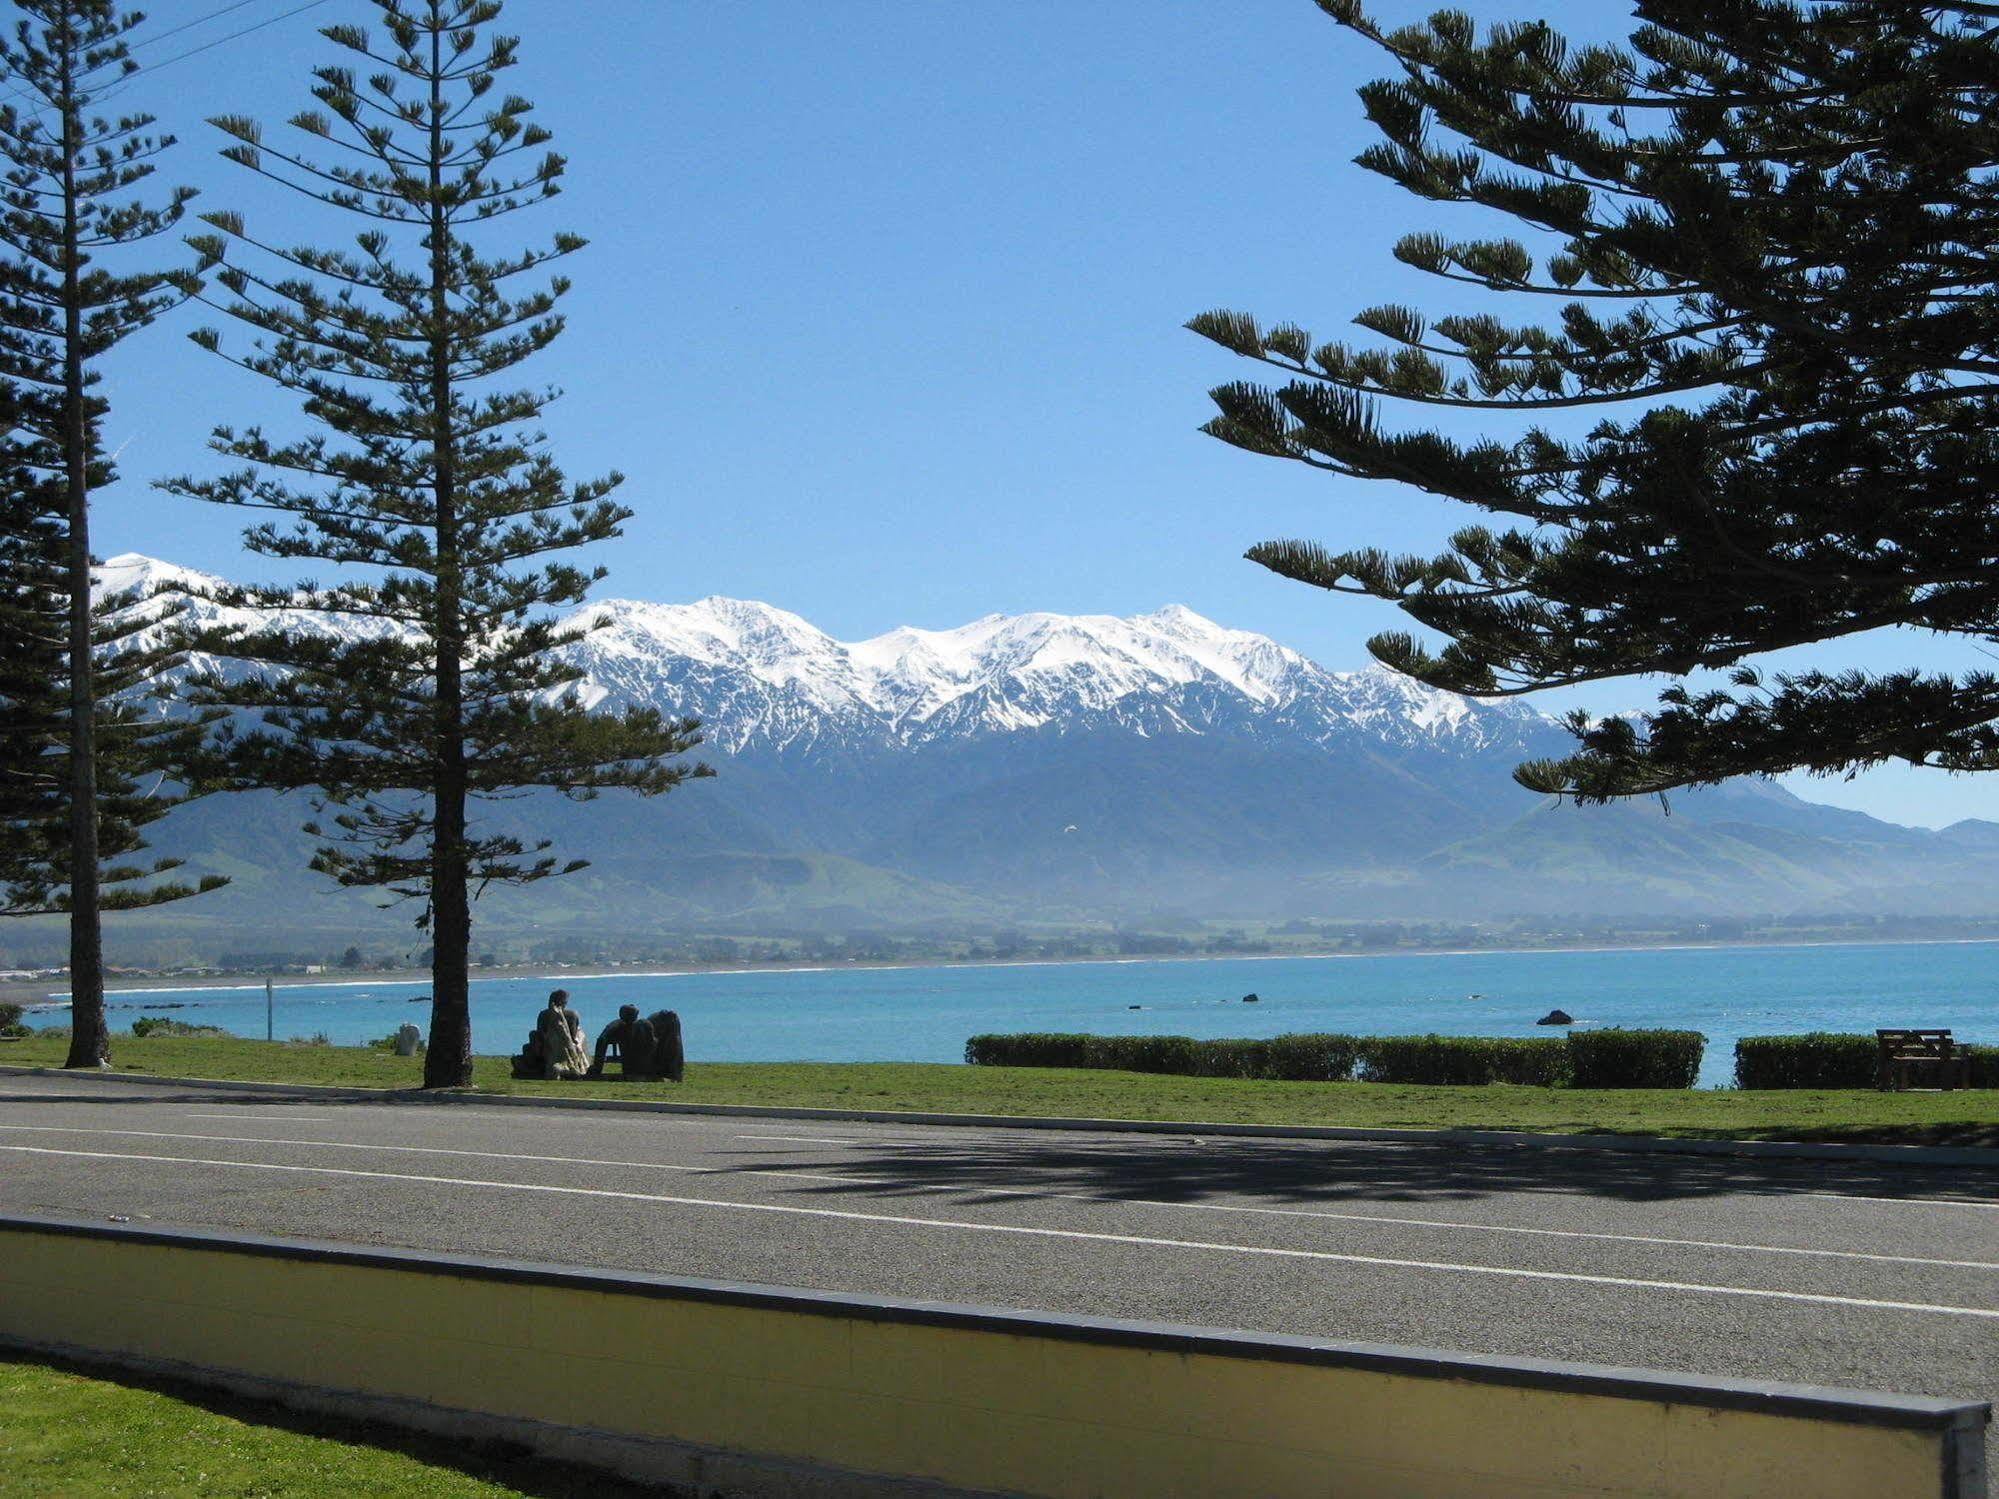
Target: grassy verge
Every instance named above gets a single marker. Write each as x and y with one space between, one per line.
72 1433
1961 1118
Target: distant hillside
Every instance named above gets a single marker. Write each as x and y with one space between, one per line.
1052 767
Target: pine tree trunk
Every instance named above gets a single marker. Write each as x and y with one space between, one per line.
448 1063
90 1037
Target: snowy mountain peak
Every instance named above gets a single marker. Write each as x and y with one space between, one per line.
713 628
760 676
129 571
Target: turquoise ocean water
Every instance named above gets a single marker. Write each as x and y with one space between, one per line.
925 1014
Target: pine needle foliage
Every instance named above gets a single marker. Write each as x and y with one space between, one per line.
139 750
85 753
1766 231
458 691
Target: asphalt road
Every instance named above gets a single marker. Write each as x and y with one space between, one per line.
1875 1277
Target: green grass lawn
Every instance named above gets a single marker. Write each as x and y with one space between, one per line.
67 1434
1961 1118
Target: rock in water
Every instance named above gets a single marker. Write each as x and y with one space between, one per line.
1557 1017
1252 999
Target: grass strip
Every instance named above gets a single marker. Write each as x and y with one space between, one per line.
71 1431
1966 1117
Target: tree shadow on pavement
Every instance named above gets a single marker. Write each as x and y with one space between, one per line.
1182 1169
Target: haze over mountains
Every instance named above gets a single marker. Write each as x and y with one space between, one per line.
1046 767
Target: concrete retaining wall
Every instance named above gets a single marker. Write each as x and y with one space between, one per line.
821 1389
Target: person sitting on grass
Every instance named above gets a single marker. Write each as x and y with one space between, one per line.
561 1034
669 1059
528 1061
649 1049
636 1041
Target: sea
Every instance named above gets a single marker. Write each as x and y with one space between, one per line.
854 1013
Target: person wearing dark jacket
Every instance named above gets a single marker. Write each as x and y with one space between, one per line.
648 1048
636 1042
669 1057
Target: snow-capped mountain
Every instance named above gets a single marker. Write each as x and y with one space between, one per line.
763 678
158 588
1058 766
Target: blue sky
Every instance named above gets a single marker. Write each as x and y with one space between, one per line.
881 314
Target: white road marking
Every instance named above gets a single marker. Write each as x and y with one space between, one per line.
804 1139
1100 1201
1928 1202
831 1140
1567 1233
1263 1251
286 1118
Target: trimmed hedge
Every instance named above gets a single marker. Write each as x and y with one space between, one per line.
1542 1060
1832 1059
1610 1059
1307 1058
1028 1049
1616 1058
1295 1058
1817 1059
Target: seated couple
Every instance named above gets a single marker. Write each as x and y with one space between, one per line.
648 1048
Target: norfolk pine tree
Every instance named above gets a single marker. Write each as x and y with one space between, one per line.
426 472
84 755
1768 232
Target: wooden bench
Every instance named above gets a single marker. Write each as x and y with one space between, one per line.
1904 1052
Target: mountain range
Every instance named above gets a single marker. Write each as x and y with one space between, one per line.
1048 767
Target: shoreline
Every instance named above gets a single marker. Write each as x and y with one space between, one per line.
36 996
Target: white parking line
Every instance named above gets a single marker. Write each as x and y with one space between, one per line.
1389 1220
1443 1267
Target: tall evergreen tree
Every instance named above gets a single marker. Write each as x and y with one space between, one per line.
84 755
460 691
1769 228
